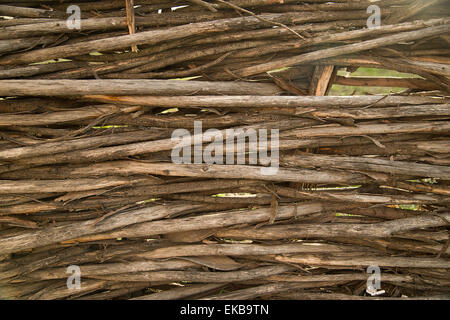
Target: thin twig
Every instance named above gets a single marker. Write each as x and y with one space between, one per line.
204 4
131 21
261 19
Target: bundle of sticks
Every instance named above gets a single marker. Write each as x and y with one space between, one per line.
90 127
240 39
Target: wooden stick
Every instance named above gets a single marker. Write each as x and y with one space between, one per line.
132 87
215 171
239 101
199 276
361 164
131 22
204 4
180 293
402 262
377 230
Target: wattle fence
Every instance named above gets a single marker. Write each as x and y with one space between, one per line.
224 149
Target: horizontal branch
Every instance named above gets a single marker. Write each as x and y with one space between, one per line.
137 87
323 231
264 101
